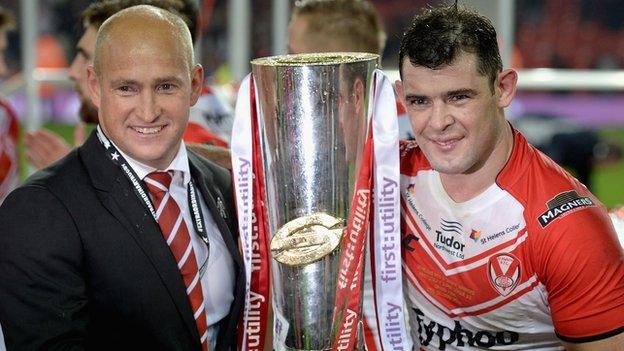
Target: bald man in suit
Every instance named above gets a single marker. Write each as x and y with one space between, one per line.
130 241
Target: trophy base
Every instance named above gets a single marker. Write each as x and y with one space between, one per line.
361 346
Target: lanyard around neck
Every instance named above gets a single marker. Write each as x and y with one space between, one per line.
141 192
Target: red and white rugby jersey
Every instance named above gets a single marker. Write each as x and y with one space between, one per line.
9 130
532 259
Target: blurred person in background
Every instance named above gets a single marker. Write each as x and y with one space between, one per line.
44 147
130 241
340 25
9 126
335 26
502 248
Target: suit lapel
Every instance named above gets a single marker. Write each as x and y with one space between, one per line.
119 198
216 203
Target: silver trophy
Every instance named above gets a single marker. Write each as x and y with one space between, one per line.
313 122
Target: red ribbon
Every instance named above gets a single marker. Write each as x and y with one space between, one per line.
253 330
347 313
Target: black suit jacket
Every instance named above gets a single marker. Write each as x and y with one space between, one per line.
83 264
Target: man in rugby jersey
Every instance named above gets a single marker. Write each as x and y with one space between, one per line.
502 248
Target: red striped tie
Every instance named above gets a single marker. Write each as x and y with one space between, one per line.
176 233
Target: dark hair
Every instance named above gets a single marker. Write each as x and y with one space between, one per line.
355 24
98 12
438 35
7 21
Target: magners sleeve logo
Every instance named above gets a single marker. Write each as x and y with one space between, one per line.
563 203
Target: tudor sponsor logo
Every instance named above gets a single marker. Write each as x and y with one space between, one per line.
446 241
431 333
563 203
504 272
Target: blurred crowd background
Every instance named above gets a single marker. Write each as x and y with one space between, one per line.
574 125
576 34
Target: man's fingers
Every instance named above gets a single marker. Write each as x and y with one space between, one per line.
79 133
44 147
50 139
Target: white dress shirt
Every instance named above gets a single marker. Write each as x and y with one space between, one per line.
2 347
217 274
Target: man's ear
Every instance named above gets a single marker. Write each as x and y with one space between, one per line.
506 84
93 81
197 83
398 87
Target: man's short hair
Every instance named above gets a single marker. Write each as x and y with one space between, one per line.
150 16
439 35
7 21
98 12
355 23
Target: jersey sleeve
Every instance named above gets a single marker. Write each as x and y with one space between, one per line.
581 263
